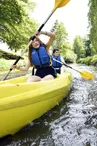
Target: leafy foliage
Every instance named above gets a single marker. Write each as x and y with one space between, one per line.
8 55
78 47
61 41
94 60
92 17
86 60
6 64
15 24
70 57
90 60
61 35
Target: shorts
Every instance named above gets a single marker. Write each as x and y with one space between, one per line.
43 71
58 71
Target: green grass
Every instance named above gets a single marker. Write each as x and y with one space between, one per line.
6 64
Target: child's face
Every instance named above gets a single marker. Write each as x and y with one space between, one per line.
35 43
56 53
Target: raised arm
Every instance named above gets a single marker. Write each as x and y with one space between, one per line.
51 38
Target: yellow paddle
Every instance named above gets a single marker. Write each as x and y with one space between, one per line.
58 4
85 74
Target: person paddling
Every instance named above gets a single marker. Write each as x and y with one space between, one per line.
57 66
38 57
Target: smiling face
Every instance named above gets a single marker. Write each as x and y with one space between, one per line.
56 53
35 43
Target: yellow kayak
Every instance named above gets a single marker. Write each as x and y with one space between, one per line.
21 102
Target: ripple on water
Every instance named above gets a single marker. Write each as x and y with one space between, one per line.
78 127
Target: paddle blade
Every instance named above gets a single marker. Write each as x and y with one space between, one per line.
86 75
63 3
59 3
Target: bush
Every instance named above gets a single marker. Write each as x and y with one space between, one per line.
86 60
94 60
5 64
8 55
69 57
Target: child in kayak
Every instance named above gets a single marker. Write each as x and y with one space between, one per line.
38 57
56 61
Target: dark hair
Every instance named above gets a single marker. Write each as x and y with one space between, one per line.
30 50
55 50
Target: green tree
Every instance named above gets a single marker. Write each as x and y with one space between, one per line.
54 26
61 42
15 24
61 35
92 18
79 47
88 48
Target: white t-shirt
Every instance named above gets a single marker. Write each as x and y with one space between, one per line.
63 68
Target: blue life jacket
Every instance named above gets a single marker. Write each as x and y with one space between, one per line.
40 57
56 64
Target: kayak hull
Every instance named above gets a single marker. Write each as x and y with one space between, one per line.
21 103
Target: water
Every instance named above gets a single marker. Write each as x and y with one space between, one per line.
72 123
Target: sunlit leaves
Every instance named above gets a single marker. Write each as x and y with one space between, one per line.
61 34
15 24
61 41
79 47
92 15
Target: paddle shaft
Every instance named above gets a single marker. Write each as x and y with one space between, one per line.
65 64
85 74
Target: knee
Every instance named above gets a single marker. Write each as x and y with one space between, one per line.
48 77
33 79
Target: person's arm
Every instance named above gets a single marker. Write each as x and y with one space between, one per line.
62 59
22 68
63 68
51 39
49 34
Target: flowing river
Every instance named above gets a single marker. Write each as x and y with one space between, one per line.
71 123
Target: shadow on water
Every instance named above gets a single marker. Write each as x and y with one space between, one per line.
72 123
